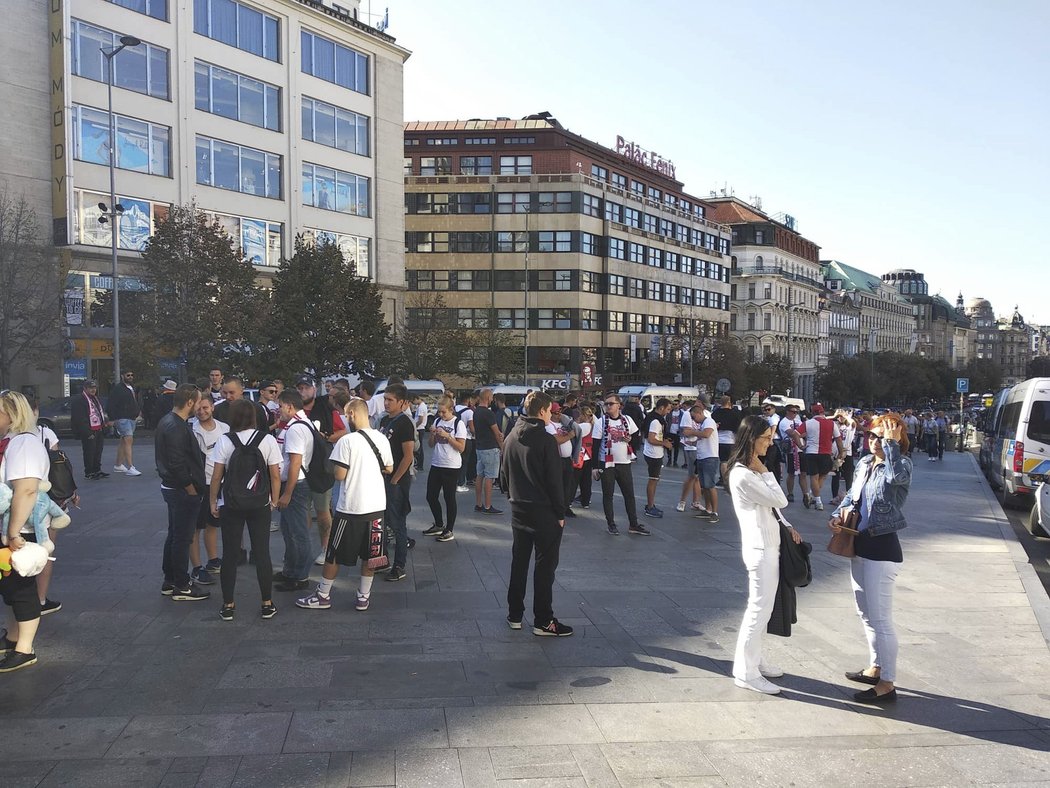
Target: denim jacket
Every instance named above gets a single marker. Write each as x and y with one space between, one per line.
884 493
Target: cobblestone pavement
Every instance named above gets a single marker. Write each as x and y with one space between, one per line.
430 687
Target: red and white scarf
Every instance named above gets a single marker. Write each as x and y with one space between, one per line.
94 412
607 442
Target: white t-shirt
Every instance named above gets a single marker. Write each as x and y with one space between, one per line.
466 415
207 441
620 432
297 440
273 405
812 434
688 441
444 455
223 450
363 491
788 424
47 434
376 411
25 458
422 413
585 427
557 430
656 429
707 447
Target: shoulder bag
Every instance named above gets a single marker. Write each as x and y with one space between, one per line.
841 543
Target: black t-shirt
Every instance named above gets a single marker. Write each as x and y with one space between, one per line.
727 419
484 421
878 548
398 430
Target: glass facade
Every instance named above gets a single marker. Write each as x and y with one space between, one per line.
239 26
137 223
335 190
143 69
329 125
334 62
235 96
261 241
238 168
357 251
141 146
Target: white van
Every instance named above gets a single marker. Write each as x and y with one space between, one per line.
649 394
782 402
1021 445
514 395
430 390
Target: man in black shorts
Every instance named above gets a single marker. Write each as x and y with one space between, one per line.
361 460
728 420
654 446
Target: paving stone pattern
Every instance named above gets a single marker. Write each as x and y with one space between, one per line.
430 688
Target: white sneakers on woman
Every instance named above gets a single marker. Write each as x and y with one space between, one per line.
760 684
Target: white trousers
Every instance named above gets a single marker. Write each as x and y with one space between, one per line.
873 593
763 576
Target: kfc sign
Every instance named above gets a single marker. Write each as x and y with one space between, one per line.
639 155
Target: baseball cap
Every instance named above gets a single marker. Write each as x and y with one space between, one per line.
265 384
817 409
555 407
90 384
305 380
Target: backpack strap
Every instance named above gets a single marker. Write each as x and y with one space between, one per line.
235 440
257 439
375 451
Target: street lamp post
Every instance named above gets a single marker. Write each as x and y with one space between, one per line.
114 211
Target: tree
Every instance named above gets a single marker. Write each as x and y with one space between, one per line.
844 381
1038 367
722 358
492 354
324 317
31 277
428 345
984 374
202 307
772 375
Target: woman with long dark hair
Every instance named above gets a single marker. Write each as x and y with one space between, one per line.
755 494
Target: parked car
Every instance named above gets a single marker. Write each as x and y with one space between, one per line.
1039 517
1021 444
55 414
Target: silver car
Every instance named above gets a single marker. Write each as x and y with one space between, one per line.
1039 518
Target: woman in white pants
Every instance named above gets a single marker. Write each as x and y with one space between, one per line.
879 491
755 494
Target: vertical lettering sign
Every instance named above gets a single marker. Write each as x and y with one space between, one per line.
59 163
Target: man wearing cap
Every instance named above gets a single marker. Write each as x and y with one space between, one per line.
268 399
821 432
124 409
162 407
789 436
88 420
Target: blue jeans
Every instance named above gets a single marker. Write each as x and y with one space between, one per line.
183 509
297 557
396 517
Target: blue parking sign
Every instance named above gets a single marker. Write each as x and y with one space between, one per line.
962 385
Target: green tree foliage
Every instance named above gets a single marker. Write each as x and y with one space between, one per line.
324 318
1038 367
30 291
426 347
722 358
203 305
772 375
899 379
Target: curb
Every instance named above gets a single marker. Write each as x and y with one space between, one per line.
1033 586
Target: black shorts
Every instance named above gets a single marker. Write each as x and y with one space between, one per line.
817 465
204 518
19 593
352 537
724 450
655 465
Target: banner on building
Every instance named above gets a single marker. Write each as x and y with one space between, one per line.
74 303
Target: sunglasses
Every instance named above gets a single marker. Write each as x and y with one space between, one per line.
613 402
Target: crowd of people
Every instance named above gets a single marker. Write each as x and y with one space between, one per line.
228 465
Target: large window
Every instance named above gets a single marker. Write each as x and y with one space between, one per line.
136 223
475 165
335 190
554 241
236 96
141 146
553 280
335 127
552 318
259 240
143 69
158 9
591 205
237 25
334 62
238 168
555 202
617 248
512 241
515 165
617 285
357 251
512 202
435 165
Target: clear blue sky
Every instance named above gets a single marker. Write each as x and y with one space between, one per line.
899 134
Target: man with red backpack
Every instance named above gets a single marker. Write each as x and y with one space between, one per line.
821 433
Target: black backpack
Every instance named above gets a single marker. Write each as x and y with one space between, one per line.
319 475
246 480
63 487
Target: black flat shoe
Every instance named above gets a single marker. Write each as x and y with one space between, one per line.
870 696
861 678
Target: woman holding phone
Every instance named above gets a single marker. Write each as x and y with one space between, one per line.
879 490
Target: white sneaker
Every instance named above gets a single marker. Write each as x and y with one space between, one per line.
680 507
133 471
119 469
770 671
319 561
758 685
462 488
819 504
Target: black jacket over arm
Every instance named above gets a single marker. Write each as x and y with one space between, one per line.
123 404
532 467
178 455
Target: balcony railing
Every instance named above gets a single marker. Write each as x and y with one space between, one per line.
774 270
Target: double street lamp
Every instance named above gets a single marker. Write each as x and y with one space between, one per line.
114 211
